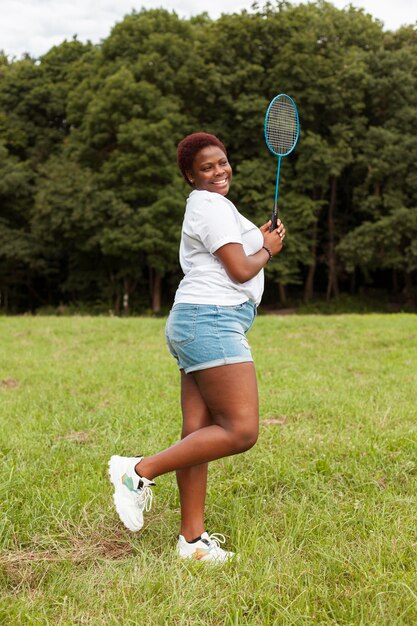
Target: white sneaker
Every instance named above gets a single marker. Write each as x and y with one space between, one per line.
206 549
132 493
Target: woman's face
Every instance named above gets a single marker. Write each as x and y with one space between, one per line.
211 171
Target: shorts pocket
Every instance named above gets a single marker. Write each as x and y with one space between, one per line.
181 325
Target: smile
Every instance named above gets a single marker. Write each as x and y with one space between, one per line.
220 182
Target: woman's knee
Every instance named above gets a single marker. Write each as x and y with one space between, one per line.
244 438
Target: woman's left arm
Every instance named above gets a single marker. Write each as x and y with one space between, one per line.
241 267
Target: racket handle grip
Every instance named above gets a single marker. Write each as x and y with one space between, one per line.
274 221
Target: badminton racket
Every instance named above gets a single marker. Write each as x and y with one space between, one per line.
281 130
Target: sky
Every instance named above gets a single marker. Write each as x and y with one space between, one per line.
34 26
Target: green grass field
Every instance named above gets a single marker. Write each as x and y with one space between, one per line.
322 510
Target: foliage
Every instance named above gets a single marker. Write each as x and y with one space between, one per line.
91 201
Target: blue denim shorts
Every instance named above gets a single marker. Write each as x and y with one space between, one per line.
201 336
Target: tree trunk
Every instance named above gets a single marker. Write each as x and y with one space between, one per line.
395 281
309 284
113 298
282 294
156 279
126 292
332 283
408 289
117 303
352 282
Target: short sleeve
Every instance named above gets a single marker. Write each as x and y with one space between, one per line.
216 224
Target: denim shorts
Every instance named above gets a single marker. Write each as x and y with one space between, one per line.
201 336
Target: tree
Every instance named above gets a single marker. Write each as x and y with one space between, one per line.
388 194
125 132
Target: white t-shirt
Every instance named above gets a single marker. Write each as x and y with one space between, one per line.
211 221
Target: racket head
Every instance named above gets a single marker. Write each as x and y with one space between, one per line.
282 126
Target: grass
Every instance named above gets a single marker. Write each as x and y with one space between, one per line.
322 509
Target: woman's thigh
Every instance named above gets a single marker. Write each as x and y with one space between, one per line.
230 393
195 412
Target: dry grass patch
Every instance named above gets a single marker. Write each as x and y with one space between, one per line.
280 420
21 567
9 383
80 437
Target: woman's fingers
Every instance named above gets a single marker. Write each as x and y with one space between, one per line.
280 229
265 227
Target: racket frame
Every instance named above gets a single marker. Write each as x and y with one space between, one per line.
274 216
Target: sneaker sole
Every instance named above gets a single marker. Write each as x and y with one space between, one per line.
211 562
189 557
114 475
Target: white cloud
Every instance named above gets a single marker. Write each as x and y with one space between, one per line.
34 26
393 13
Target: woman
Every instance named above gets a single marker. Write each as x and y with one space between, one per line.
222 255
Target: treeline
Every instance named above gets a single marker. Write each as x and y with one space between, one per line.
91 201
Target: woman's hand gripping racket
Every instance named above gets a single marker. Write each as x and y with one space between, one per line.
281 130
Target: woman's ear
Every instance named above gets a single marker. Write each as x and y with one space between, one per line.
190 177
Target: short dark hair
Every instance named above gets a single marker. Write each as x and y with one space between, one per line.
190 145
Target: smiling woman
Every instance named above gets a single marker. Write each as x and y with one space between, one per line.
222 255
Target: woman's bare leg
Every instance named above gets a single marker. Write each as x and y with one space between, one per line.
192 481
231 395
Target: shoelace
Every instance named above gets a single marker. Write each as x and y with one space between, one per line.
215 540
145 497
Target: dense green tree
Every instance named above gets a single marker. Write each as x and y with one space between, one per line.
321 59
33 125
131 121
385 238
18 248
